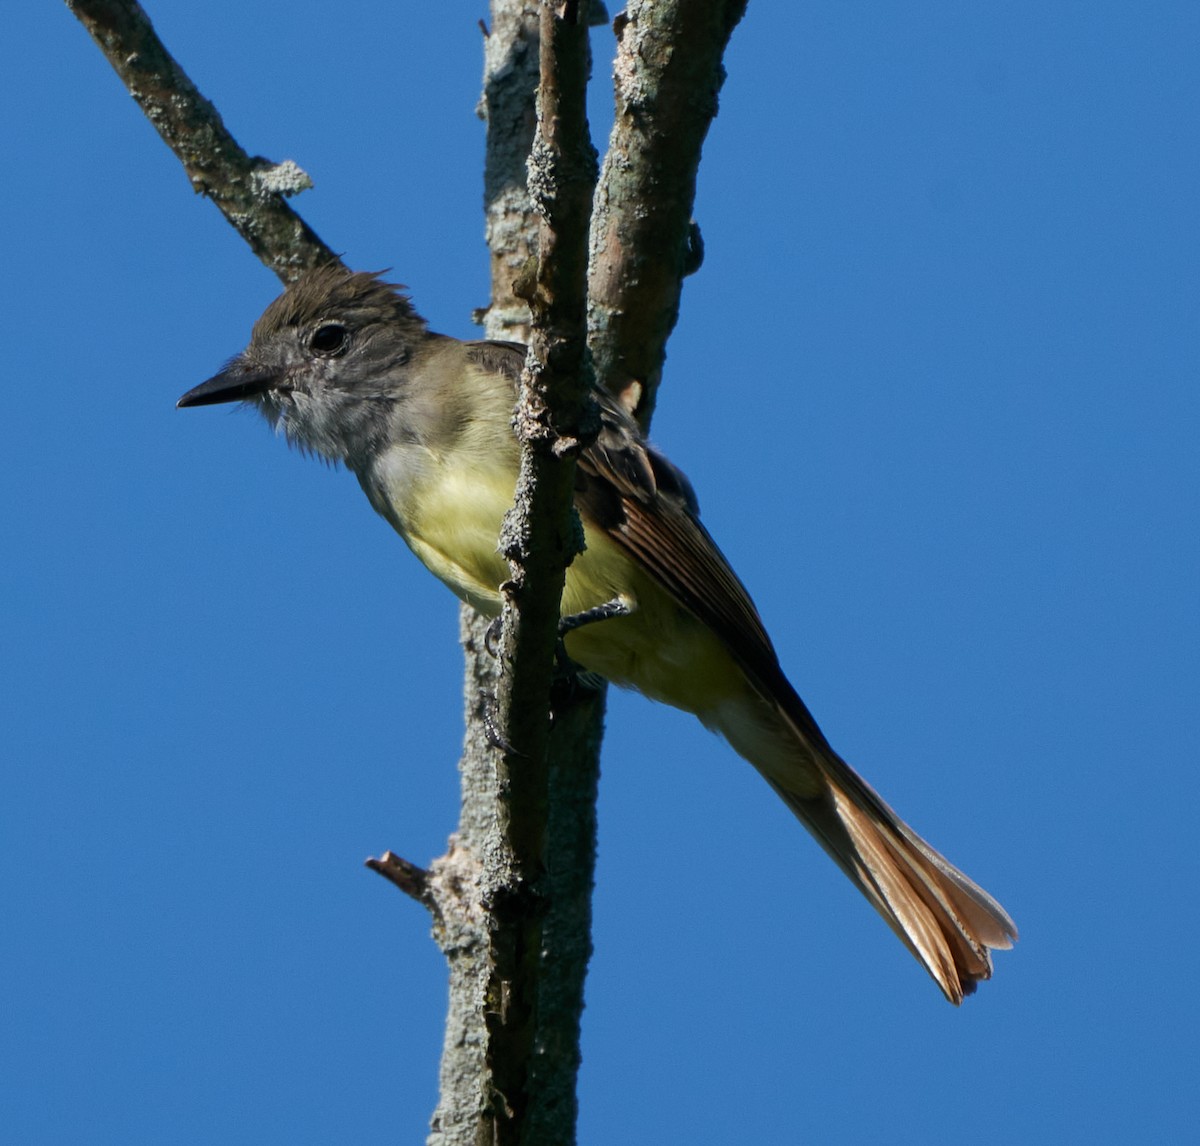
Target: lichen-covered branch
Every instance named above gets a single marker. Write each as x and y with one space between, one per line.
555 412
517 933
666 79
511 899
249 191
508 107
542 534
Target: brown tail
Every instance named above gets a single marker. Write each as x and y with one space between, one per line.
947 921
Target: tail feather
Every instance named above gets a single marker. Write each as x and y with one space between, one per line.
904 896
947 921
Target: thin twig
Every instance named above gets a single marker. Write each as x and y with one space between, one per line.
407 876
248 190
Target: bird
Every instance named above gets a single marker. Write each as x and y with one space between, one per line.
344 366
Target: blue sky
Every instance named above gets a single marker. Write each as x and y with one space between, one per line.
936 385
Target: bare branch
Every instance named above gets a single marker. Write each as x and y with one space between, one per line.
249 191
511 899
407 876
541 536
508 107
555 415
666 79
517 931
465 1100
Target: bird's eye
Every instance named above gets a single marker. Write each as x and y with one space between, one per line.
329 340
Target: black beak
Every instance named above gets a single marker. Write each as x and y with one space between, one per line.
237 382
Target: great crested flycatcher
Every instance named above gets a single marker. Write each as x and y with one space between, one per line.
344 365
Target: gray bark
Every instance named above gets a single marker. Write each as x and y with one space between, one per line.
249 191
519 946
511 898
666 79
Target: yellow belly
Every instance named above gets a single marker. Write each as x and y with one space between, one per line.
450 516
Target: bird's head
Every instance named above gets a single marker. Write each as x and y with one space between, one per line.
326 362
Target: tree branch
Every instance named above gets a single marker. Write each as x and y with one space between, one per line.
410 879
511 898
542 534
249 191
666 78
517 935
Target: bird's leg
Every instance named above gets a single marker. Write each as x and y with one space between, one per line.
491 636
492 730
606 612
570 678
568 624
567 678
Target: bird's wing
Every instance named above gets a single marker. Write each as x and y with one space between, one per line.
647 506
